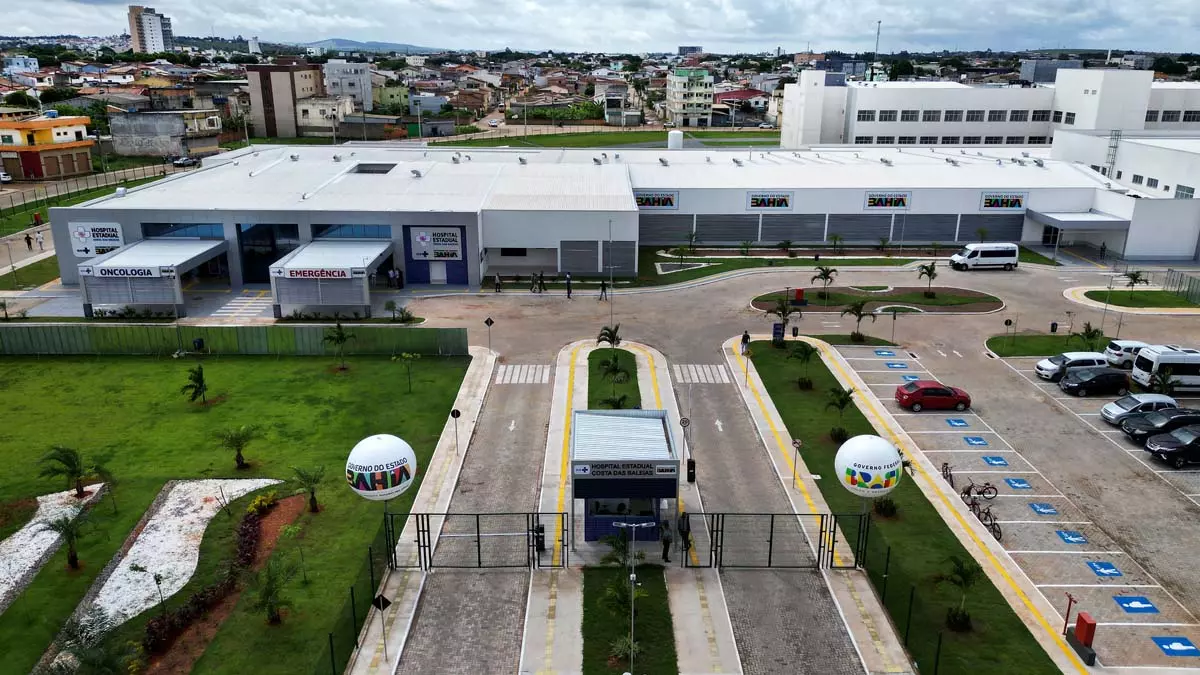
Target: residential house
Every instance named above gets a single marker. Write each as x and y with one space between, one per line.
275 91
14 113
755 98
174 133
391 95
349 79
47 146
172 98
320 116
119 100
20 64
426 103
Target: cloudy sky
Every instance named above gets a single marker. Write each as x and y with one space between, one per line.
651 25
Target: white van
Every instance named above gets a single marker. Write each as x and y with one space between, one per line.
983 256
1182 362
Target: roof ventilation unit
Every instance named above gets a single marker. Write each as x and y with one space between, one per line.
468 158
121 191
337 158
961 151
885 160
951 161
604 155
737 161
454 158
708 159
999 162
617 155
1024 154
415 173
523 161
294 157
1039 162
596 161
663 161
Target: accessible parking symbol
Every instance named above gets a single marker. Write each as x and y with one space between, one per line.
1044 509
1018 483
896 365
976 441
1135 604
910 378
994 460
1071 537
956 422
1104 568
1176 646
884 352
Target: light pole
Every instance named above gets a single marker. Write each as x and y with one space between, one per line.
611 289
1107 296
631 536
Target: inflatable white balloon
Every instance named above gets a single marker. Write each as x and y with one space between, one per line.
868 466
381 467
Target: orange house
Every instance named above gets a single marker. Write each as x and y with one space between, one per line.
46 147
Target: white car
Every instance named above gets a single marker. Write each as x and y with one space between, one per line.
766 125
1055 367
1134 404
493 123
1121 353
5 178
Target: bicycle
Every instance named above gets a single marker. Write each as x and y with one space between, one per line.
987 490
995 529
986 517
972 503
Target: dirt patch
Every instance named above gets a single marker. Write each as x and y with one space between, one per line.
877 299
15 514
190 645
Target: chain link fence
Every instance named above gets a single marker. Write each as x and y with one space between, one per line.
345 633
1184 284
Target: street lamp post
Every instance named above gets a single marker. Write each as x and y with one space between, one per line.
1107 297
630 538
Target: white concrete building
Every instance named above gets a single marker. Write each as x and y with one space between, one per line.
320 116
352 80
823 109
689 97
149 31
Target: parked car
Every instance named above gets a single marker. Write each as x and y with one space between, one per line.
493 123
1141 427
1135 404
185 161
1121 353
5 178
766 125
1084 381
921 394
982 256
1178 448
669 125
1055 367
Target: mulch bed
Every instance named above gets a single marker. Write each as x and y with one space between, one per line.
190 645
892 251
881 299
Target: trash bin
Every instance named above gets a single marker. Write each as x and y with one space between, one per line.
691 470
1053 326
539 538
795 331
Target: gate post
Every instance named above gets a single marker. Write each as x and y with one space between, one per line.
771 541
478 543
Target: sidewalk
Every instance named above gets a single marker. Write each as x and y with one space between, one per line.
1076 295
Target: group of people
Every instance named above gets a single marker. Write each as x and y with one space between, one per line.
684 526
394 278
537 284
38 237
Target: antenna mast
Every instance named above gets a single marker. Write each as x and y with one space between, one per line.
878 27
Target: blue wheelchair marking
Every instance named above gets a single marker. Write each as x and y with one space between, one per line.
995 460
896 365
978 441
1105 569
1176 646
1135 604
910 378
1018 483
884 352
1071 537
1044 509
956 422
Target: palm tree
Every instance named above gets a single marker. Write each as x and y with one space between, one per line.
928 271
196 387
614 402
982 233
268 586
858 310
610 335
836 240
390 306
883 243
934 247
309 479
825 275
692 240
1163 382
785 246
69 463
840 399
784 310
70 529
1089 336
803 352
1132 279
338 336
236 440
963 574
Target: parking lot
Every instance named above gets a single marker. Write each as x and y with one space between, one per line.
1048 536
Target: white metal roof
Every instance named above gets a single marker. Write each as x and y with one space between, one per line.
620 435
158 253
336 254
902 84
550 187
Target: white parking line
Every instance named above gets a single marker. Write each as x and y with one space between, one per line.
1154 625
898 371
1097 585
959 431
1060 495
1068 552
1003 471
1046 522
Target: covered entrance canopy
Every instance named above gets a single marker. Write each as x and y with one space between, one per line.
144 273
1089 228
328 272
623 465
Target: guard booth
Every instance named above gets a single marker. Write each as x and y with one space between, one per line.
146 273
331 274
624 468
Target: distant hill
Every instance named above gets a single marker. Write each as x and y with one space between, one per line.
341 45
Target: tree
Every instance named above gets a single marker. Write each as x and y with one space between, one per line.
804 353
197 386
883 243
269 588
614 402
784 310
68 463
901 68
1089 336
858 310
610 335
236 440
1169 66
70 529
56 94
837 240
589 90
963 574
309 479
408 360
928 271
982 233
1132 279
839 399
21 100
1163 382
692 240
825 275
390 306
338 336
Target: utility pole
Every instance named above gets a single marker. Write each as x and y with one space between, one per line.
878 27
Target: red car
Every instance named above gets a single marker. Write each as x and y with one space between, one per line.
922 394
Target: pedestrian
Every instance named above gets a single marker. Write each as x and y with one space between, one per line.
603 290
1103 248
745 342
568 285
541 282
28 241
665 538
497 282
41 240
685 532
533 283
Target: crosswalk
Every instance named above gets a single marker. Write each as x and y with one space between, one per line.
690 373
249 304
523 374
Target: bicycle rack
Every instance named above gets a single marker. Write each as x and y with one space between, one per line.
948 473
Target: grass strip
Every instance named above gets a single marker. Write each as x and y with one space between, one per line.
30 276
1041 345
1025 255
602 390
654 632
1146 299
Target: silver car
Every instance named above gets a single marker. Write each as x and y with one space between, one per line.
1116 412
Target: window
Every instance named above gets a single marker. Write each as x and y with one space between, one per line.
304 112
1037 140
1170 116
908 115
1119 174
183 230
1151 182
1137 180
866 115
1151 115
7 139
352 231
513 252
1018 116
1057 116
931 115
950 140
907 140
1014 140
887 115
1184 192
863 140
971 140
993 140
1069 118
953 116
974 115
885 140
1041 115
929 140
996 115
377 168
1191 115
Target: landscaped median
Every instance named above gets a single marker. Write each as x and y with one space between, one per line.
1140 299
1041 344
837 298
908 556
612 379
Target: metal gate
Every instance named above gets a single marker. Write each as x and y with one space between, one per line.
481 540
780 540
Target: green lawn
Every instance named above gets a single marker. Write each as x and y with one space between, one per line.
653 630
837 299
1126 298
1041 345
130 409
648 274
1025 255
30 276
919 541
118 162
756 133
754 142
844 339
601 388
22 218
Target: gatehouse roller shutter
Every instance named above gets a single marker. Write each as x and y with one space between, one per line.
726 228
320 291
579 257
1006 227
860 227
925 227
664 228
796 227
622 257
132 291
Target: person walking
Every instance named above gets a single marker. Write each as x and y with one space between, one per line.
28 241
665 537
568 285
745 342
541 282
603 291
496 282
41 240
1103 249
533 283
685 533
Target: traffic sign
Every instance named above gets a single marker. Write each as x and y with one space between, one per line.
455 413
684 422
797 443
488 322
381 603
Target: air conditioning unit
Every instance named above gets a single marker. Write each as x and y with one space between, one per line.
596 161
522 161
415 173
294 157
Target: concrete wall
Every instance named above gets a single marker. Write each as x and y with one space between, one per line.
1164 229
140 135
1174 98
544 229
852 200
1103 99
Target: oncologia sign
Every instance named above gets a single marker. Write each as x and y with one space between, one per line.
126 272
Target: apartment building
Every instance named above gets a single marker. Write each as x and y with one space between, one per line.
149 31
689 97
1045 70
45 147
19 64
274 92
166 133
352 80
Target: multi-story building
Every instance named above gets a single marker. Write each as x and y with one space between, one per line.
173 133
320 116
823 109
1045 70
689 97
149 31
690 50
45 147
349 79
807 58
20 64
275 90
425 103
389 95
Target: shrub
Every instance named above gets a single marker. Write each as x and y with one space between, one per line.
886 507
857 337
804 383
623 648
838 435
263 503
958 620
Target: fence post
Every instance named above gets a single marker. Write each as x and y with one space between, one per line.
371 570
354 615
887 565
771 541
937 655
908 622
332 658
478 543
